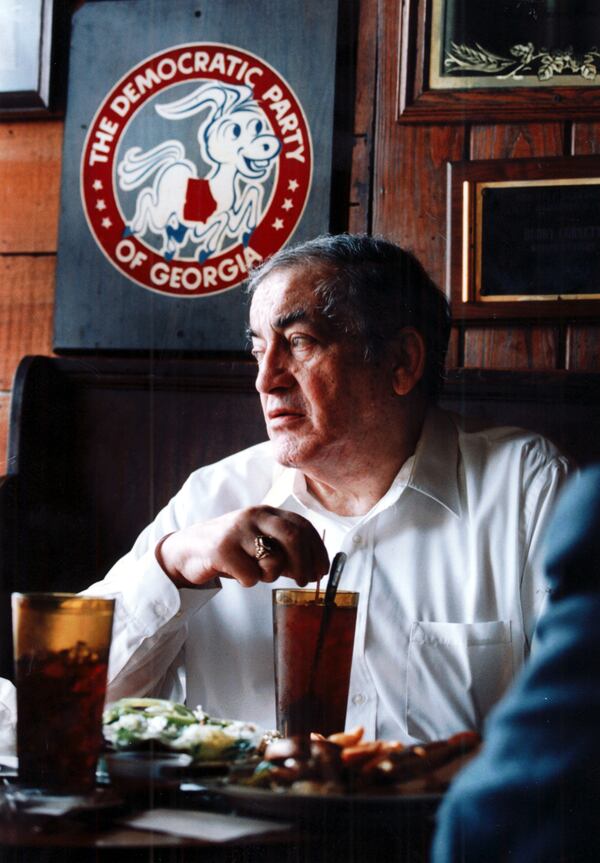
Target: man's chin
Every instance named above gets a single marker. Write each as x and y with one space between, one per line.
288 452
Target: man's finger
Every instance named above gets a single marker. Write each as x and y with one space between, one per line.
305 554
270 556
241 564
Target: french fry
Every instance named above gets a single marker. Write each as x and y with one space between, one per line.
344 762
381 763
353 756
347 738
394 746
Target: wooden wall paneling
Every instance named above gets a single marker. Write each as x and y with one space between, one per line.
410 189
409 200
30 160
4 414
26 304
101 444
583 348
585 139
521 141
512 347
359 215
564 406
453 357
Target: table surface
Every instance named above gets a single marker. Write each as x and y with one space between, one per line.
98 836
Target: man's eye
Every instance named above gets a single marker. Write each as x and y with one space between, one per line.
258 354
300 343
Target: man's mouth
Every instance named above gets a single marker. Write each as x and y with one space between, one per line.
277 412
282 415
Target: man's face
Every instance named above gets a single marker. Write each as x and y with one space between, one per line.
320 400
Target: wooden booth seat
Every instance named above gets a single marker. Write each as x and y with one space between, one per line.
98 445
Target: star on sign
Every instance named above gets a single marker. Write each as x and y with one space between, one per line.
100 205
277 224
97 185
106 222
293 185
287 204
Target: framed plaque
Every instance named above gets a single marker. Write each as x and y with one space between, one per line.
524 238
519 59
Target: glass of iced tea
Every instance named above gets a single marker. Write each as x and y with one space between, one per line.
312 676
61 646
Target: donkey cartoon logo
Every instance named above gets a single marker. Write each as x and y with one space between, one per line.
236 143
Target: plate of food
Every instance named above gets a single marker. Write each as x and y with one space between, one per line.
153 740
324 779
323 810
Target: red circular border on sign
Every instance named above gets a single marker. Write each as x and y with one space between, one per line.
137 261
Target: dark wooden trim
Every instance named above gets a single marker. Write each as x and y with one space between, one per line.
562 406
551 388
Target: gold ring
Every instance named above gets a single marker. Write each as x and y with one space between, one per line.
264 545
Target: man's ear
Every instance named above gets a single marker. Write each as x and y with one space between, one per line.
409 360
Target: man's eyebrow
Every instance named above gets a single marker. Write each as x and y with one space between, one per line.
282 322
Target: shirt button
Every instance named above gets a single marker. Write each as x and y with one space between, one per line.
357 540
160 608
359 698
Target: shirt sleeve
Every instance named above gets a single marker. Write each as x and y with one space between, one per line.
545 473
151 615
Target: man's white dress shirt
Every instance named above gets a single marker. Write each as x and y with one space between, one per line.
447 565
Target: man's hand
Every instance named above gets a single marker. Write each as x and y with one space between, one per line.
224 547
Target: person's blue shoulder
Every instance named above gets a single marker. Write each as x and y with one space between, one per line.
573 536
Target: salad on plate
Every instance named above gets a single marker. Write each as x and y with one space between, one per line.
132 724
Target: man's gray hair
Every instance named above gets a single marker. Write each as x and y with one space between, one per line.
370 288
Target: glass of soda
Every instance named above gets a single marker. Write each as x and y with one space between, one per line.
61 647
312 674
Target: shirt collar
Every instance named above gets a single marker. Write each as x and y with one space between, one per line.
286 482
433 471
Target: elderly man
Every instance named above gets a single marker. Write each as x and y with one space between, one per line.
440 524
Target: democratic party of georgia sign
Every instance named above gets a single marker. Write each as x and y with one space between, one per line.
197 166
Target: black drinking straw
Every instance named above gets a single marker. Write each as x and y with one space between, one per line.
339 561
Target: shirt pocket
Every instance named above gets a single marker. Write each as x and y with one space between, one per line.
456 672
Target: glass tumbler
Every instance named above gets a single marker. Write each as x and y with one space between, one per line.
312 666
61 647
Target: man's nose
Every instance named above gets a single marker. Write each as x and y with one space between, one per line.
273 371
